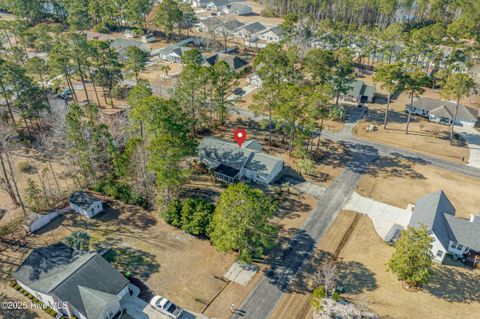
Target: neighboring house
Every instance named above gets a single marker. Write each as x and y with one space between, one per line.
122 44
198 3
452 235
35 221
239 9
250 31
85 204
228 28
75 283
443 112
173 53
273 35
217 5
360 92
254 79
234 62
129 34
148 38
231 163
208 24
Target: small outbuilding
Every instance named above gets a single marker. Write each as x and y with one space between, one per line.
35 221
85 204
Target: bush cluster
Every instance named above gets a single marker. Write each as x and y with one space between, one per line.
120 191
193 215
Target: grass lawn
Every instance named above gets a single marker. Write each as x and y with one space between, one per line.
453 292
424 137
403 189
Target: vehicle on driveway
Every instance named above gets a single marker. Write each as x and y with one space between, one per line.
166 307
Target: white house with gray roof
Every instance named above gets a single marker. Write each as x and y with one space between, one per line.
443 112
272 35
74 283
239 9
231 163
452 235
250 31
85 204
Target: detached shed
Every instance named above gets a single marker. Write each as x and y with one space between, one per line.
35 221
85 204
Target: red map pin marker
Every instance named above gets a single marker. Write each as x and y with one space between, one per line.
239 136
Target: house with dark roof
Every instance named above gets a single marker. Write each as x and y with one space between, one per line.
234 62
231 163
250 31
443 112
85 204
359 92
452 235
228 28
75 283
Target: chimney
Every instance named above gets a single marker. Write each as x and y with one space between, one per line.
474 218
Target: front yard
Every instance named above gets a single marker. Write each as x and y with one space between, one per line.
453 292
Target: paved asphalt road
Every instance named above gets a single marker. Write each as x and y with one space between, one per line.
268 292
346 136
266 295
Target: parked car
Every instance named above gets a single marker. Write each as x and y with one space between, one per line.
166 307
66 94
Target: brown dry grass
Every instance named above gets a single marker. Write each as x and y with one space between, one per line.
430 139
452 293
401 190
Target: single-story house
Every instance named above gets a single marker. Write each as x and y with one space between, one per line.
231 163
250 31
122 44
198 3
359 92
452 235
35 221
72 282
273 35
234 62
173 53
209 24
254 79
148 38
217 5
228 28
85 204
443 112
239 9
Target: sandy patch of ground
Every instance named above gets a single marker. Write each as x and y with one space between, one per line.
401 190
452 291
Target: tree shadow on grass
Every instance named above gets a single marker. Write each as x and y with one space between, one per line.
454 285
141 263
355 277
135 216
16 313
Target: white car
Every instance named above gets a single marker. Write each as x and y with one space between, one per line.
166 307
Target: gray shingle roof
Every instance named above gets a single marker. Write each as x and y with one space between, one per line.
211 23
278 30
233 25
439 107
217 150
238 6
429 211
84 279
254 28
355 88
83 199
437 213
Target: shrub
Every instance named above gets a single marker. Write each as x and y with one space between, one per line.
27 168
173 214
316 300
336 296
338 113
196 216
120 191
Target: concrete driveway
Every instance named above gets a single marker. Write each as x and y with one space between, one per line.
139 309
384 216
472 137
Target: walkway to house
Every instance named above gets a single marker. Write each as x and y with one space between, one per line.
383 216
472 137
